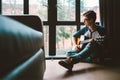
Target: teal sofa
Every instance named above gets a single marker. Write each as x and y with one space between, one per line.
22 54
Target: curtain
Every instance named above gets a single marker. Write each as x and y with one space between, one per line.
110 16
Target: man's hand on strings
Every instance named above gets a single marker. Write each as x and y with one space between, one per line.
77 48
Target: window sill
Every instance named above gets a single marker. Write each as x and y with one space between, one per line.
55 57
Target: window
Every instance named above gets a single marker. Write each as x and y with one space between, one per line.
40 8
66 10
64 38
46 39
61 18
90 5
12 7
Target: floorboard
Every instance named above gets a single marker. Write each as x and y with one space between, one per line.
81 71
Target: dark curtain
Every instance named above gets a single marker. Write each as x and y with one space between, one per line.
110 19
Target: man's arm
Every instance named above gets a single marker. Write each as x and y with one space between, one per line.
74 40
76 45
75 37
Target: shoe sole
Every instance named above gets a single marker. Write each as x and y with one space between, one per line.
65 65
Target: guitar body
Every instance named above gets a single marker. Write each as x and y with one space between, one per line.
81 41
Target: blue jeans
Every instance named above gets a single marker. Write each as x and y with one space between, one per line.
87 53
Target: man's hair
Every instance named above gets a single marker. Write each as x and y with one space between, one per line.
90 15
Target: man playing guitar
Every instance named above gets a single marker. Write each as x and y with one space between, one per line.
92 47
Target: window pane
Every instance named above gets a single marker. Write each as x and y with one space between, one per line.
10 7
90 5
46 39
64 38
40 8
66 10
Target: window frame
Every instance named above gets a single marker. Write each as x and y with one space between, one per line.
52 22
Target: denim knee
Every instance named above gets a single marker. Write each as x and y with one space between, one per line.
71 53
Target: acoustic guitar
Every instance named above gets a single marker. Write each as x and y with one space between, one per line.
82 40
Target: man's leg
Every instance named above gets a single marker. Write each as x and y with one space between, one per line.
71 53
88 53
75 57
67 62
84 53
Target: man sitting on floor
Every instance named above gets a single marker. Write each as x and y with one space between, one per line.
92 48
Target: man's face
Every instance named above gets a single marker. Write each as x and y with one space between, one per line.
86 21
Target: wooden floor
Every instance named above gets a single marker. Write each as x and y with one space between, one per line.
81 71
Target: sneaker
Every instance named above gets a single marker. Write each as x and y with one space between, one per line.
66 64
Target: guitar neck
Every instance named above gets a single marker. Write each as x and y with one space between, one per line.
85 41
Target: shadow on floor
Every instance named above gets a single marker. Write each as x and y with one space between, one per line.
82 71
